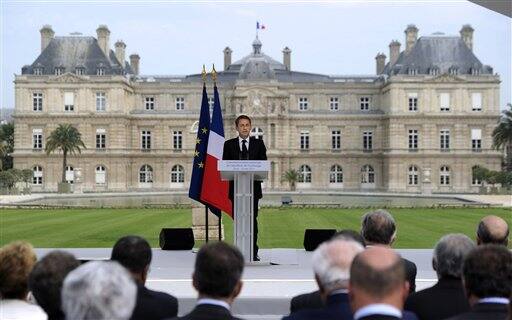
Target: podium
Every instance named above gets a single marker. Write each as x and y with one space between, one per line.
243 173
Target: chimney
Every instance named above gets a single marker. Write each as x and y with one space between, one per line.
104 38
227 58
394 51
287 56
120 52
380 60
466 33
46 36
411 35
134 63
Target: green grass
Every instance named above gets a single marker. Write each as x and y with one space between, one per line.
279 228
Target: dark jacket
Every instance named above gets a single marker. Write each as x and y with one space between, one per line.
443 300
337 307
154 305
410 274
208 312
484 311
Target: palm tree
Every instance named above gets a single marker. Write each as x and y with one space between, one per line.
66 138
502 134
291 176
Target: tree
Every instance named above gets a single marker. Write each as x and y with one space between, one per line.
6 145
502 135
291 176
67 139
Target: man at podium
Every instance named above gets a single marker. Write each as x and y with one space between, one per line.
244 147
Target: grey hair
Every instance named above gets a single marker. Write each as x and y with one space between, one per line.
449 254
332 260
99 290
378 227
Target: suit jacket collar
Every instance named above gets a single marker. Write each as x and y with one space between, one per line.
212 309
449 282
337 299
490 307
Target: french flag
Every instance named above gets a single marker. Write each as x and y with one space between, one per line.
260 26
214 191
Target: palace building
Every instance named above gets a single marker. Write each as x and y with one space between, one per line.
420 124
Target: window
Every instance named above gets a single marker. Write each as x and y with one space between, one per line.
364 103
454 70
433 71
413 140
79 71
177 140
101 101
336 174
304 140
146 174
476 140
177 174
444 100
334 103
58 71
412 176
145 140
303 103
336 139
444 176
37 176
444 136
305 174
476 100
38 71
180 103
37 101
149 103
412 71
70 174
101 139
100 175
367 141
367 174
474 180
100 71
37 139
413 102
69 101
257 133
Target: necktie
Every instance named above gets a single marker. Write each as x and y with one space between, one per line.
245 153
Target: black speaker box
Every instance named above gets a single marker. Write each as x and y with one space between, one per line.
176 239
314 237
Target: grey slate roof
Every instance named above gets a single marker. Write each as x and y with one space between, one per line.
71 52
443 52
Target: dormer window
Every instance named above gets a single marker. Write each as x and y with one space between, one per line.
412 71
38 71
454 70
100 71
59 71
475 71
79 71
433 71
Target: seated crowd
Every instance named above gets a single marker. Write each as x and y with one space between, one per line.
359 276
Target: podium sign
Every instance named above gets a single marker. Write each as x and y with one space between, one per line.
243 173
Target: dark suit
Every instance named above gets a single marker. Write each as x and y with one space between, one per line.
484 311
257 151
336 307
410 274
445 299
208 312
154 305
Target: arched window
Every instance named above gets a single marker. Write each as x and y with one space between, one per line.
367 174
146 174
336 174
474 180
37 176
305 174
70 174
177 174
257 133
444 176
100 175
412 176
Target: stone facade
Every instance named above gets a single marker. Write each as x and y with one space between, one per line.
140 130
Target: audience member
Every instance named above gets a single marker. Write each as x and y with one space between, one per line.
217 278
45 281
446 298
99 290
492 230
134 253
16 262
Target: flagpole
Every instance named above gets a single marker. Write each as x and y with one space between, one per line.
206 222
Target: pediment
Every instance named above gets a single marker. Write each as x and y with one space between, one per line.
68 77
445 77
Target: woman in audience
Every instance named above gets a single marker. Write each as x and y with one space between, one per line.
16 262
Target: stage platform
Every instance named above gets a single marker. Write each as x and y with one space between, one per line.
268 287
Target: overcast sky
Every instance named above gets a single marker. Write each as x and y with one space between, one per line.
176 38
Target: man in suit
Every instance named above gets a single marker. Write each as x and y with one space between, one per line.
377 287
331 264
492 230
134 253
245 147
487 276
446 298
217 277
378 228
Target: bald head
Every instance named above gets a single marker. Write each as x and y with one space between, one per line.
492 230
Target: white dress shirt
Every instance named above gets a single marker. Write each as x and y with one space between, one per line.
240 142
214 302
378 308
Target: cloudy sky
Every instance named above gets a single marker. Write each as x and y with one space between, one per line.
177 37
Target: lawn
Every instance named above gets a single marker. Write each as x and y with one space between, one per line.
279 228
